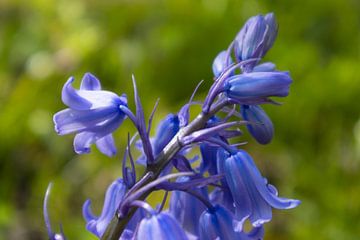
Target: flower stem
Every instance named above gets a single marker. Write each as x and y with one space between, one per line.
118 225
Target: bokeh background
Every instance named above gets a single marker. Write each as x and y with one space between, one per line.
169 46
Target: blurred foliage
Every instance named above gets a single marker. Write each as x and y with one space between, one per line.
169 46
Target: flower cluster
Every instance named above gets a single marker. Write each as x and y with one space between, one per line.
213 194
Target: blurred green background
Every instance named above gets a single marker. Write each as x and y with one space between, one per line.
169 46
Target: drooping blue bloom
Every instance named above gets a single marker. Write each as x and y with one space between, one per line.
186 208
256 87
260 127
93 114
161 226
222 195
255 38
218 223
253 197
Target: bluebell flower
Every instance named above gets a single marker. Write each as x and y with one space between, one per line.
186 208
255 38
254 198
93 114
256 87
217 223
260 127
161 226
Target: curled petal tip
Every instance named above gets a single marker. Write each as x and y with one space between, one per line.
71 97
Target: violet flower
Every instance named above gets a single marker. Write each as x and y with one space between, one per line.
253 197
261 127
255 38
93 114
256 87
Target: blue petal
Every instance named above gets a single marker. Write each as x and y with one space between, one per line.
265 67
113 197
209 158
260 127
254 37
272 31
127 235
90 82
166 130
238 189
160 227
70 121
87 212
269 196
83 141
260 211
106 145
186 208
99 99
221 63
217 223
252 86
71 97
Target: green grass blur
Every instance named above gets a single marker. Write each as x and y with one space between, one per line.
169 46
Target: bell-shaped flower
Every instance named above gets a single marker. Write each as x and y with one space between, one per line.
93 114
256 87
255 38
218 223
160 226
254 198
187 208
260 127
